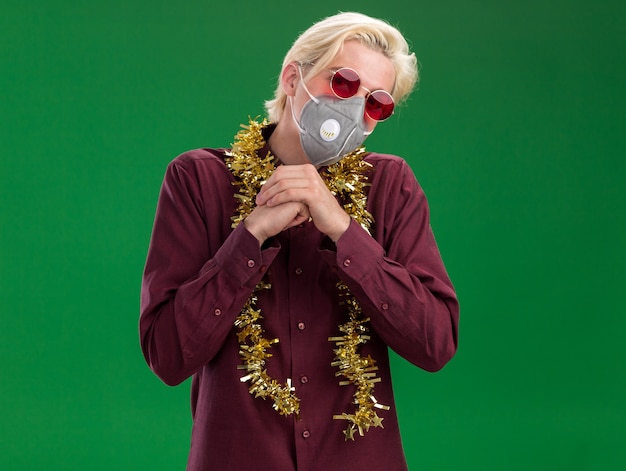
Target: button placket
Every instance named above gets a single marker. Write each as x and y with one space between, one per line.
301 274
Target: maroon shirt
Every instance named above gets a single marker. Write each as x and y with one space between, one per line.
199 273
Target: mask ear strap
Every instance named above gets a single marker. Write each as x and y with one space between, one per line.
293 115
340 152
290 98
304 85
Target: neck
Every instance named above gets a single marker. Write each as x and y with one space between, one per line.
285 143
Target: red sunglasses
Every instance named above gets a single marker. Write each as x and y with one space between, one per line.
345 83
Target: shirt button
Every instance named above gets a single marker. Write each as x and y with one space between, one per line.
251 263
304 379
301 325
306 434
217 312
298 271
384 306
346 262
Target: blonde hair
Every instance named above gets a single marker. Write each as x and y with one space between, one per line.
319 45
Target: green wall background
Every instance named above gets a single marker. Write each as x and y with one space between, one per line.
516 133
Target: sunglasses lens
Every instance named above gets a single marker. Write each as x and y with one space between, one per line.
379 105
345 83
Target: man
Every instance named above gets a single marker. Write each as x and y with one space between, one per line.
281 270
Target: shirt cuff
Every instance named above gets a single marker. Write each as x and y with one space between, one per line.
242 259
354 253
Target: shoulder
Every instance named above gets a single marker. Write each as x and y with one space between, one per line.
388 167
376 158
394 194
201 170
200 158
203 163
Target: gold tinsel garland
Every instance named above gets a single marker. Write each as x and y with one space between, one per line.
345 179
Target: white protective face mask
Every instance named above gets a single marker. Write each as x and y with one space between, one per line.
330 127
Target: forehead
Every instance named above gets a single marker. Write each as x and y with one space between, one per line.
374 68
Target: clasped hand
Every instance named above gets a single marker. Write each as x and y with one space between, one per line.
291 196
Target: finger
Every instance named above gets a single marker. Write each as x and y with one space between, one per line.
289 172
265 221
302 215
283 191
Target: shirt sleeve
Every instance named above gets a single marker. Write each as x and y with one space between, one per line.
397 273
198 273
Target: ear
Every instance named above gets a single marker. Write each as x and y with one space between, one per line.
289 78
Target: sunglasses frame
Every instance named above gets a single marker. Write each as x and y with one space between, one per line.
370 93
